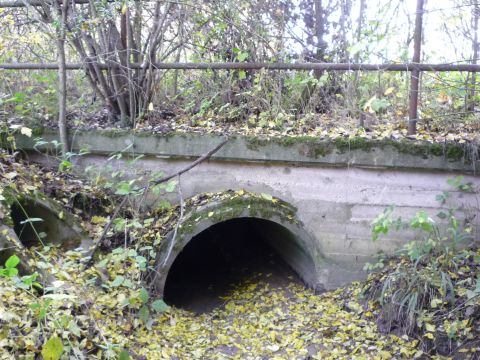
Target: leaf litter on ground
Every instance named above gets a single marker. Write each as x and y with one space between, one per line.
97 313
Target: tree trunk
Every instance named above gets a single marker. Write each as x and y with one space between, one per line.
475 45
345 13
62 78
319 33
131 85
361 15
415 77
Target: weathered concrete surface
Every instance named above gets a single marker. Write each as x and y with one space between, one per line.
57 229
356 152
337 193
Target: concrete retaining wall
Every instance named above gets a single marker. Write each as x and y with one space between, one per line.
337 190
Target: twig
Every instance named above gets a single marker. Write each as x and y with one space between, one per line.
180 219
461 305
202 158
190 166
105 231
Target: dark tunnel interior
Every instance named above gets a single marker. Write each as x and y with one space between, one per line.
37 224
30 221
223 255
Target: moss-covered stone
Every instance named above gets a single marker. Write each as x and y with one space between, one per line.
237 206
307 147
315 148
451 151
455 152
255 143
113 133
342 145
38 132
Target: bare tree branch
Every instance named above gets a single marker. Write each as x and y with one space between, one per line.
192 165
107 227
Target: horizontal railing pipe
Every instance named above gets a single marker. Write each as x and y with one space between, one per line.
24 3
257 66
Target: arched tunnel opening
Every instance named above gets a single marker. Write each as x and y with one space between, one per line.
36 224
32 223
230 252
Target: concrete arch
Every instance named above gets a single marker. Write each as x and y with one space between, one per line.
274 218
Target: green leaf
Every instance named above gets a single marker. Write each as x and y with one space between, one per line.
242 74
123 188
442 215
124 355
103 263
65 165
74 329
128 283
164 204
442 198
456 181
144 314
143 295
29 279
11 272
117 281
170 186
53 349
12 262
379 104
267 196
159 306
422 221
119 250
471 294
242 56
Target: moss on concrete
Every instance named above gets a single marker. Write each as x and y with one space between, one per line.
315 148
255 143
306 146
111 133
451 151
38 131
343 145
237 206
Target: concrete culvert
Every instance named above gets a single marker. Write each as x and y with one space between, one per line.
227 253
37 221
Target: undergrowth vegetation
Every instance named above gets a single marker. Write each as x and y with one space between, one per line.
107 311
424 303
281 104
431 289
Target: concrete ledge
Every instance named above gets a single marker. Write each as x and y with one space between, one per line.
357 152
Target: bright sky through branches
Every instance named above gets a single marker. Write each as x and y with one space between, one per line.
387 34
